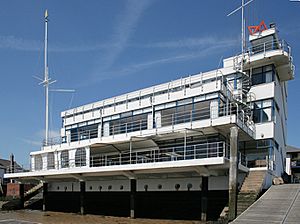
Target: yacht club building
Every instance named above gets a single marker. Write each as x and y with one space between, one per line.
164 151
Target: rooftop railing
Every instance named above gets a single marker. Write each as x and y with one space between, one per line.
269 46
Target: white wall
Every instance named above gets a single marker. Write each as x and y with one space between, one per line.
168 184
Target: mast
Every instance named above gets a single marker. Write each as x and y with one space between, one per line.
243 41
46 80
243 30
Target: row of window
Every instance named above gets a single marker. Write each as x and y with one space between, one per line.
80 159
195 108
175 89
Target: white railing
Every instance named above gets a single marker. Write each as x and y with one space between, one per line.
155 155
172 119
188 152
269 46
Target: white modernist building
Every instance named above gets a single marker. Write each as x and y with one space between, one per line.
171 142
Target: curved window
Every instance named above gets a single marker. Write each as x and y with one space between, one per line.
50 161
80 157
38 162
64 159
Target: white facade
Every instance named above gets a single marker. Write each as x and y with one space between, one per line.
177 127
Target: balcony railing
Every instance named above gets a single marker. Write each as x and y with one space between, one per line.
172 119
189 152
269 46
143 156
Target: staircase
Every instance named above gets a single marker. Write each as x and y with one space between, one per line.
250 190
1 190
34 202
33 191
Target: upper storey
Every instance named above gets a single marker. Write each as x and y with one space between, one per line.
267 48
143 100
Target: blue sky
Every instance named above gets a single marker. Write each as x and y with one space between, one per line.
105 48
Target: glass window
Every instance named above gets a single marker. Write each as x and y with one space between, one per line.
80 157
50 161
129 124
38 162
263 111
64 159
263 74
85 132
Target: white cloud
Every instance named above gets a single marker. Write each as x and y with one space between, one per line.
20 44
214 47
31 142
39 137
12 42
191 43
122 32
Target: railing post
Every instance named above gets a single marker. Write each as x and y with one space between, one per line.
264 48
172 121
191 118
140 127
113 129
126 128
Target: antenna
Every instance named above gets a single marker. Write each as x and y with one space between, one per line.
46 82
243 24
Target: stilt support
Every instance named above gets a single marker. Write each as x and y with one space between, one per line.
82 197
45 193
132 197
21 188
233 173
204 198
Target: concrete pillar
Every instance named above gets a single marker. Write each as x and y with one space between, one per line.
82 196
22 191
204 198
45 193
233 173
132 197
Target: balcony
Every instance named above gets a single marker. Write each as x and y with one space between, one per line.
187 157
276 52
213 115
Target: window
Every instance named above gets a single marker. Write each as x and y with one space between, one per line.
84 132
128 123
50 161
64 159
263 111
259 153
80 157
38 162
263 74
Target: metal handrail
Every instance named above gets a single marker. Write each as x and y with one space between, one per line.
154 155
166 120
270 45
206 150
